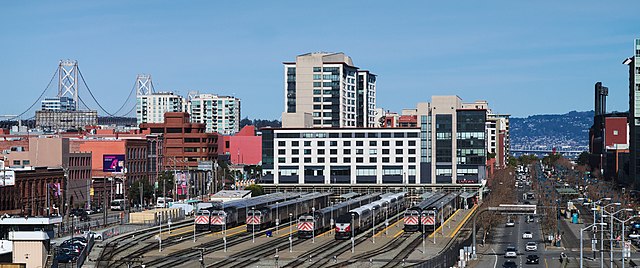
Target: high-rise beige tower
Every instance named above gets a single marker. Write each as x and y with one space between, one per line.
327 90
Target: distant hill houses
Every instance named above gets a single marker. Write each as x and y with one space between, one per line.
569 131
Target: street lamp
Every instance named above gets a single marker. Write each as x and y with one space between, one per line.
352 234
253 227
581 242
373 226
602 210
623 222
313 230
290 237
278 217
612 215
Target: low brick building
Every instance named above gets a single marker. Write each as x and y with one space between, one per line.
37 191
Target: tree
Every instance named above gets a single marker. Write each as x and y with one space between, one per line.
134 191
583 158
527 159
256 190
165 183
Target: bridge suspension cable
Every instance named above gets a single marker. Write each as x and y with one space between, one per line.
39 97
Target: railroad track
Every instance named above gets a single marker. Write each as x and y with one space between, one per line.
246 258
390 245
188 254
117 246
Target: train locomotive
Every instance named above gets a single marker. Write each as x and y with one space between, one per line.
320 221
412 215
264 217
439 212
363 218
232 213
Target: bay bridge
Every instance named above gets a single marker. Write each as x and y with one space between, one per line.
71 84
571 153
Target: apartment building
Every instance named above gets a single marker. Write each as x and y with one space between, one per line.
219 114
327 90
447 146
150 108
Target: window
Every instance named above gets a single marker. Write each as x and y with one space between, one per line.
333 143
385 160
373 135
385 143
333 160
373 143
372 160
346 151
307 143
412 135
412 143
359 159
295 151
399 159
412 151
385 151
295 160
398 135
615 133
317 69
334 135
412 159
359 151
282 151
16 162
320 151
295 143
320 159
359 143
307 159
320 143
281 143
373 151
26 162
385 135
281 160
398 143
333 151
359 135
366 172
346 143
346 160
347 135
398 151
307 151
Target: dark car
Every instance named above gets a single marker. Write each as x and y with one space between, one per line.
533 259
509 264
67 255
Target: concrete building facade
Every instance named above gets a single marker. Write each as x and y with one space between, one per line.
151 108
220 114
327 90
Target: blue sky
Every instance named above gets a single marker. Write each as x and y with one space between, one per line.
524 57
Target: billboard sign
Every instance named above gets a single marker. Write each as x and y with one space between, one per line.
113 162
7 178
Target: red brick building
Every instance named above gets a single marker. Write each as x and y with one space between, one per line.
185 143
29 194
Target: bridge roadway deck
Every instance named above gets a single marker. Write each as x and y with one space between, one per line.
302 249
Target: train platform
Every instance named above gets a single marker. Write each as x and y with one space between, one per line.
390 241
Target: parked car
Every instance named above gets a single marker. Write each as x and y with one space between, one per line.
527 235
510 223
66 255
509 264
533 259
531 246
511 252
95 235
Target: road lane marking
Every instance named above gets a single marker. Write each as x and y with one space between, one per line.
495 263
545 263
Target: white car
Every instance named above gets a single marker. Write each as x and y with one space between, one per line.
511 224
510 252
634 235
527 235
531 246
95 235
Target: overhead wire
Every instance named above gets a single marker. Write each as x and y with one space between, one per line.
91 93
127 99
40 97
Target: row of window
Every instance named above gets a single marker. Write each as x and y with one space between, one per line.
344 151
344 143
321 160
349 135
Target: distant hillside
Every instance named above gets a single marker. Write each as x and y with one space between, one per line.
552 130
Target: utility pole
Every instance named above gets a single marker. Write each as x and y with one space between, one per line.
141 191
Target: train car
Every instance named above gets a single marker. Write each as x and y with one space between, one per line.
203 217
323 219
233 213
363 218
412 215
262 218
438 212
